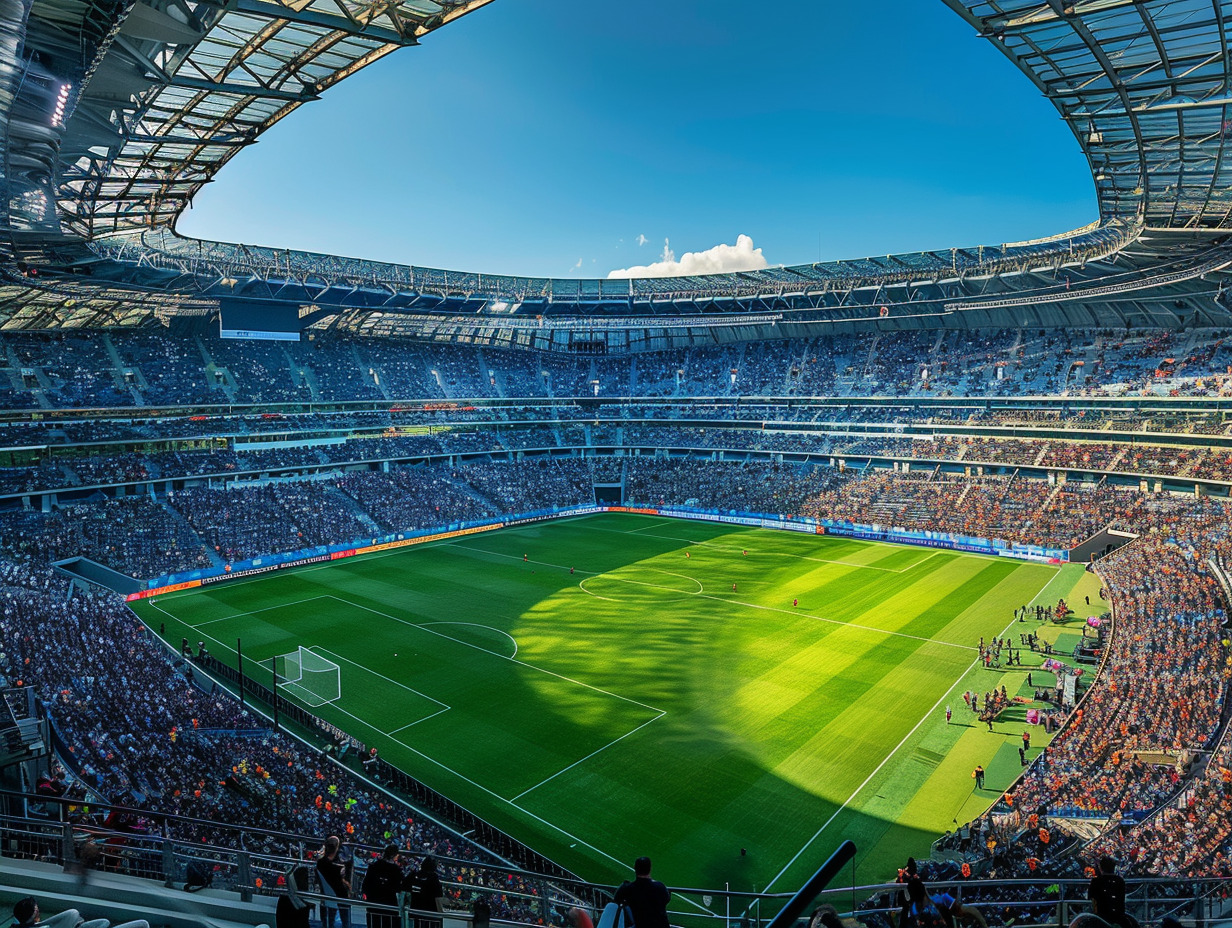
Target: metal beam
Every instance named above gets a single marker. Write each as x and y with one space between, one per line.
191 140
309 17
243 90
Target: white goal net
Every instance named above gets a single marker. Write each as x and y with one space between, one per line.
308 676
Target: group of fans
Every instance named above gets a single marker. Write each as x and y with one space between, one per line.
55 469
73 371
136 729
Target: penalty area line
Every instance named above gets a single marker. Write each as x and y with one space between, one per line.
381 675
503 657
244 615
589 756
432 760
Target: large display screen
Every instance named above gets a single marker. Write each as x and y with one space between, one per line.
259 319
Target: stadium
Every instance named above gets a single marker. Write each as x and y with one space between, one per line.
923 555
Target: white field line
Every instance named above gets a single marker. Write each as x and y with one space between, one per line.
381 675
359 559
479 625
799 557
867 628
653 586
605 692
497 796
719 599
588 756
218 641
1044 589
243 615
972 666
805 557
444 767
432 760
416 722
504 657
645 528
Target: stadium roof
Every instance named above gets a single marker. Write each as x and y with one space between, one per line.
114 113
1144 88
176 87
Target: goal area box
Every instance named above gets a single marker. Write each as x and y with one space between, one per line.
308 676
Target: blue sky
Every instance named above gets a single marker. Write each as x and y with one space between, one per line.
536 134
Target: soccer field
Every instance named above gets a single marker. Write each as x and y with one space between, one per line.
664 697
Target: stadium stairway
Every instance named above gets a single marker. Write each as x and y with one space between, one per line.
370 371
494 375
177 517
738 364
15 368
39 392
343 501
225 381
305 375
69 473
117 371
478 495
1052 497
123 898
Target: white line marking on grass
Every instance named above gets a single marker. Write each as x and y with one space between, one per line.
417 722
381 675
972 666
503 657
175 618
242 615
588 756
582 587
330 565
719 599
1044 589
432 760
866 628
479 625
494 795
653 586
800 557
922 561
655 524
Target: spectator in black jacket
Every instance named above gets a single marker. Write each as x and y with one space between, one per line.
333 877
646 897
1107 894
427 894
381 886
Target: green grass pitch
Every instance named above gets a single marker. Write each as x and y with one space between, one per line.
641 704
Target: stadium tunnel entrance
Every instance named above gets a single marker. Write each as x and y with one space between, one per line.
1099 545
87 573
608 494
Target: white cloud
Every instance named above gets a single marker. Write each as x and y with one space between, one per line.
642 240
720 259
578 265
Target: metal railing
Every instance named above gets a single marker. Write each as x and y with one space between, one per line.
180 852
252 862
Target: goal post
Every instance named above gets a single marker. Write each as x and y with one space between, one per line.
308 676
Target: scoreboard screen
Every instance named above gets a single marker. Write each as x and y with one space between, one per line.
259 319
